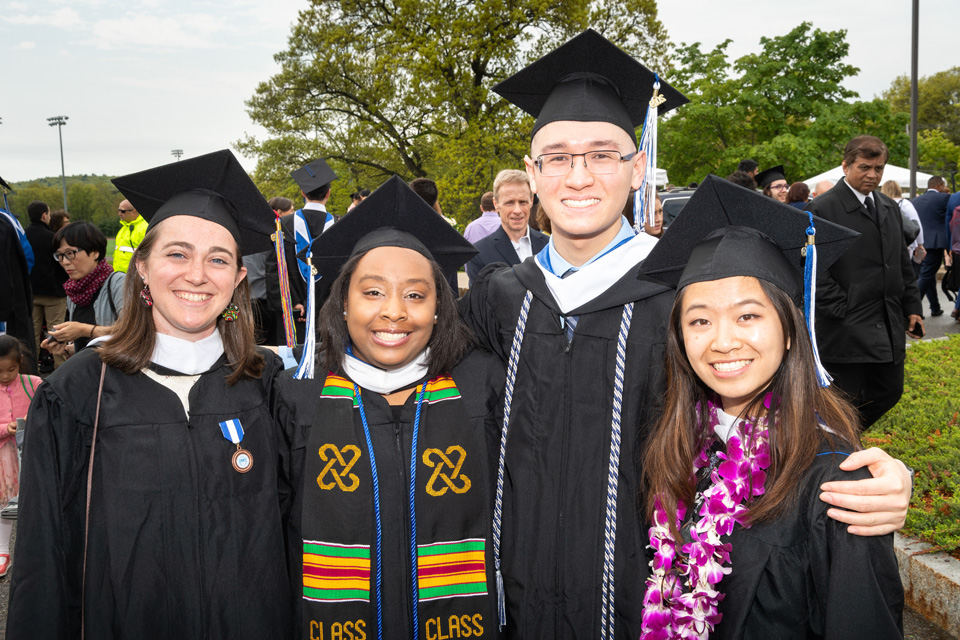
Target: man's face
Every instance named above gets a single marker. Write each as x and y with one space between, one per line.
126 212
864 174
582 206
513 202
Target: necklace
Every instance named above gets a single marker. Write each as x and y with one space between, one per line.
681 601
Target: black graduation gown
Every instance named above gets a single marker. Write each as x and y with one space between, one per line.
479 378
803 576
181 545
559 447
16 294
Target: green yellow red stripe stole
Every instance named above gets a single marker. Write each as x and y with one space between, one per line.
452 514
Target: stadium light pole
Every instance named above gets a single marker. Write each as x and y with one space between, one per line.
177 153
58 122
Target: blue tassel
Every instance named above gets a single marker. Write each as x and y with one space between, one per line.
501 602
810 300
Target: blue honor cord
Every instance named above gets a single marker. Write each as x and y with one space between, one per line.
376 509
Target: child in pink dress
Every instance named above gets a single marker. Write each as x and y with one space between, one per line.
16 391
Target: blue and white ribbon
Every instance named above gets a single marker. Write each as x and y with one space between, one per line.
301 234
232 430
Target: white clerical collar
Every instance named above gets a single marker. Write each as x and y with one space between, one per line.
382 381
593 279
317 206
185 356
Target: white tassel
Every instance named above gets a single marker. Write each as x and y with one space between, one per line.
308 360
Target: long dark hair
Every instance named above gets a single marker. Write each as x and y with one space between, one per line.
794 436
449 342
134 335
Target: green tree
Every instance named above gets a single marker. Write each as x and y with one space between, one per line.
938 101
938 154
403 87
785 104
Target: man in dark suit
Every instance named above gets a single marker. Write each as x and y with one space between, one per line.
868 298
514 241
932 209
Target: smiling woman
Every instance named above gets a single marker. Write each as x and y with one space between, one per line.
393 459
734 467
166 475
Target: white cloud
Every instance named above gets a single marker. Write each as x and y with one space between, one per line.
17 6
26 46
65 18
185 31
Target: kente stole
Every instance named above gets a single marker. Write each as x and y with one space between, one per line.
339 538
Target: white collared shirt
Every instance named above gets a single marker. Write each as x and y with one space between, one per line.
860 196
522 246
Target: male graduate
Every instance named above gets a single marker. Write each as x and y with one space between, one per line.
583 336
314 180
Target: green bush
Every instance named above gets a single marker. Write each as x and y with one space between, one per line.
923 431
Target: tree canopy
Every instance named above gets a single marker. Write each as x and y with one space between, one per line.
785 105
403 87
91 198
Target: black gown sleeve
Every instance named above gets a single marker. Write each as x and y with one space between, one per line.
856 578
479 312
45 589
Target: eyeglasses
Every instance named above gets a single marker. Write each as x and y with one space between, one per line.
779 187
125 210
601 162
70 254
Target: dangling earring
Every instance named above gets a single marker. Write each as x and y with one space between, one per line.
145 298
231 313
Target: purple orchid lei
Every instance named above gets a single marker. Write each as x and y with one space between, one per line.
681 600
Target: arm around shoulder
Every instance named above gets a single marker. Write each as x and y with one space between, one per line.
856 579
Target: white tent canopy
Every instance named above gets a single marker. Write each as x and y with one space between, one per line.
890 172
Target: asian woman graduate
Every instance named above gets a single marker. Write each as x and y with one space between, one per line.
740 543
150 473
391 526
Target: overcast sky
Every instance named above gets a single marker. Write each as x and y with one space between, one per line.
138 78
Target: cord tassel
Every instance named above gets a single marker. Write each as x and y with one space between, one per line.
810 300
305 369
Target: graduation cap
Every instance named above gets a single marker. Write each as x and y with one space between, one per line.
392 216
313 175
725 231
587 79
5 185
768 176
213 187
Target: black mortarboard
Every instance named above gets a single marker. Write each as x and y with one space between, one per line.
313 175
726 230
767 176
587 79
214 187
392 216
5 185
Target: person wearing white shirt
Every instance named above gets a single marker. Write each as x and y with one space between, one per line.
514 241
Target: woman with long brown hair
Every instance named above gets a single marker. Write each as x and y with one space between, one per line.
741 544
151 468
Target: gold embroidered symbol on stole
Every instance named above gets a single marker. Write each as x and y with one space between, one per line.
443 463
344 472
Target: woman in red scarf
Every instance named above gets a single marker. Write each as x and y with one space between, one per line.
94 289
